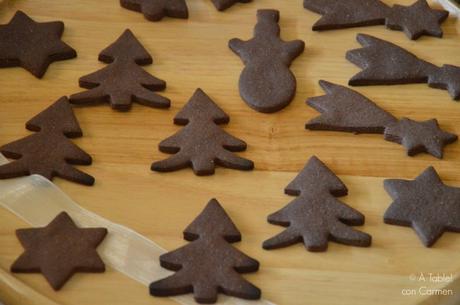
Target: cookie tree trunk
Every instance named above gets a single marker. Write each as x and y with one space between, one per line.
202 144
209 264
49 152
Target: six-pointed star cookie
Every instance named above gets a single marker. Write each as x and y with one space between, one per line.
426 204
419 137
416 20
59 250
32 45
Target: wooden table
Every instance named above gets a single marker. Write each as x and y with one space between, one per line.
193 53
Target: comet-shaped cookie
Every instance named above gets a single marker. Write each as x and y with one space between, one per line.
384 63
266 83
414 20
343 109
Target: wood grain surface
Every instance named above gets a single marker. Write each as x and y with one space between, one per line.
193 53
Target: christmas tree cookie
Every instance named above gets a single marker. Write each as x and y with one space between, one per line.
202 143
316 216
123 81
48 152
209 264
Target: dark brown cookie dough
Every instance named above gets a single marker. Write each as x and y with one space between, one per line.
123 81
32 45
338 14
414 20
384 63
426 204
447 78
155 10
266 83
418 137
59 250
316 216
202 144
222 5
343 109
209 264
48 152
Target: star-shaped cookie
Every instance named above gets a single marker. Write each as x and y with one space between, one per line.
32 45
426 204
155 10
59 250
416 20
448 78
419 137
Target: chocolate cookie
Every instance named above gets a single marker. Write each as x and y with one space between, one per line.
316 216
266 83
343 109
202 144
222 5
59 250
49 152
415 20
155 10
123 81
384 63
425 204
32 45
209 264
419 137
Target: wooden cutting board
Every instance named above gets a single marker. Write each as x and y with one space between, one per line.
193 53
